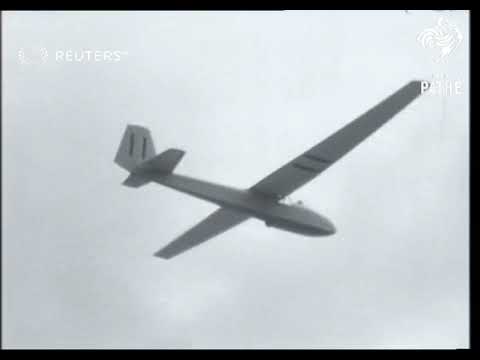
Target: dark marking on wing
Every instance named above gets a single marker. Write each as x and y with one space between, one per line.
304 168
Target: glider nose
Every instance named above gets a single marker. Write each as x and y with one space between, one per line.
328 226
331 228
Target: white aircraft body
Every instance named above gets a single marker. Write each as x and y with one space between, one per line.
264 199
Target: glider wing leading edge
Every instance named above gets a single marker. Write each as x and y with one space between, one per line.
216 223
307 166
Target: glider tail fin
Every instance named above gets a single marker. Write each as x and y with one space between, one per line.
135 148
136 154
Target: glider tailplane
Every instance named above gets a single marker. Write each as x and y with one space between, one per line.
162 164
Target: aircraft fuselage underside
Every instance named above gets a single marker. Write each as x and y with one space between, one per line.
286 217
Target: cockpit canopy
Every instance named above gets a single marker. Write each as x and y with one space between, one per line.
291 202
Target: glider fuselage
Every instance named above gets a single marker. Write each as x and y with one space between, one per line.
294 218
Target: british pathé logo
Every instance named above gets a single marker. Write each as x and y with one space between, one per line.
445 37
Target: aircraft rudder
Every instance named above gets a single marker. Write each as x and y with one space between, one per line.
135 147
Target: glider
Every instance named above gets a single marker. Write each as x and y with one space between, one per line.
264 200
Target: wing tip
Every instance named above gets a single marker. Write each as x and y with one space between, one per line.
422 84
162 255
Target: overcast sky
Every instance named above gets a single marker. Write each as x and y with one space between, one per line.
242 93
